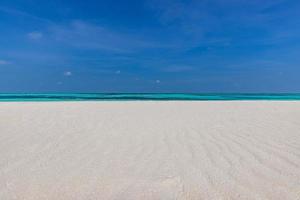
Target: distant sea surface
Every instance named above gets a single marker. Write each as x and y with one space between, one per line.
144 96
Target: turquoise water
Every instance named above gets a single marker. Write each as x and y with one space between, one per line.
136 96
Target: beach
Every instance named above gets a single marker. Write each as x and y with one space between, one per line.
127 150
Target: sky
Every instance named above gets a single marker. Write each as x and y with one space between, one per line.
192 46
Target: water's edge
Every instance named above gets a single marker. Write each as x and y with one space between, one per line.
144 97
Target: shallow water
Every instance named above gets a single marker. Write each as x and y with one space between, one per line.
142 96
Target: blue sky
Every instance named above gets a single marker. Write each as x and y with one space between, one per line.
150 46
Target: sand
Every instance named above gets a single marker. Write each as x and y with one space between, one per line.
150 150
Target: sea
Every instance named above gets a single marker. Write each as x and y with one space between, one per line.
21 97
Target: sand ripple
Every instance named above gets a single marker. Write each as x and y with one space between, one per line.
150 150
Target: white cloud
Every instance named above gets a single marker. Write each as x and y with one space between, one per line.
68 73
4 62
157 81
35 35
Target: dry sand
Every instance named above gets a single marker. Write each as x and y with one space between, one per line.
150 150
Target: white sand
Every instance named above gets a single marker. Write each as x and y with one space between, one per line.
150 150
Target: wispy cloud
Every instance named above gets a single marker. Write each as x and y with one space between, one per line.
16 12
68 73
200 22
85 35
178 68
4 62
35 35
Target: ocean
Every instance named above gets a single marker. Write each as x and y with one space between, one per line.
20 97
